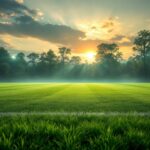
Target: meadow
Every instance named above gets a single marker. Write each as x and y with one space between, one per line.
74 97
23 127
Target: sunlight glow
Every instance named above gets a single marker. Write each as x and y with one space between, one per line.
90 56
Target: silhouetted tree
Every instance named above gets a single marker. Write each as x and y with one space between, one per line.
19 65
42 58
51 57
42 64
47 63
109 57
4 63
21 57
142 47
51 60
64 52
132 67
75 60
33 58
4 55
106 51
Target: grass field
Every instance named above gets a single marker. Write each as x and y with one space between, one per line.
74 132
75 97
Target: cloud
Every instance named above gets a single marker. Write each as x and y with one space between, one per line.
122 40
111 25
7 45
103 29
9 8
3 43
20 1
26 26
61 25
21 21
26 44
108 24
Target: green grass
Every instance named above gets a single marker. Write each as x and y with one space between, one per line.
74 133
74 97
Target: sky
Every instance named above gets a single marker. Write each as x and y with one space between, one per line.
40 25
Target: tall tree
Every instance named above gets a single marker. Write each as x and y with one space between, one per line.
142 47
4 55
51 57
33 57
106 51
47 63
109 57
75 60
21 57
20 65
64 52
33 61
51 60
4 62
42 58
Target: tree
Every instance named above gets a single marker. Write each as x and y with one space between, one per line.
132 67
4 55
33 57
75 60
64 52
108 51
33 60
47 63
109 57
142 47
19 65
51 57
42 58
21 57
51 60
4 63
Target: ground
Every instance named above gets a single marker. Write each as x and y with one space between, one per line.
74 116
75 97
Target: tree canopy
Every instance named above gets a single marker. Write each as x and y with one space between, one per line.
108 64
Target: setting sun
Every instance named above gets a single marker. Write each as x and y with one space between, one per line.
90 56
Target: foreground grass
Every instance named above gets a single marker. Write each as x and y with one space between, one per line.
74 97
74 133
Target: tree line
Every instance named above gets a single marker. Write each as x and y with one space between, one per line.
109 63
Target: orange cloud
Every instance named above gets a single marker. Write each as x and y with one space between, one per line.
28 44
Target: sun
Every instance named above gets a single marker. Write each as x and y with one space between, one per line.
90 56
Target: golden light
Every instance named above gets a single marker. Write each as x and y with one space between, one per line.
90 56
